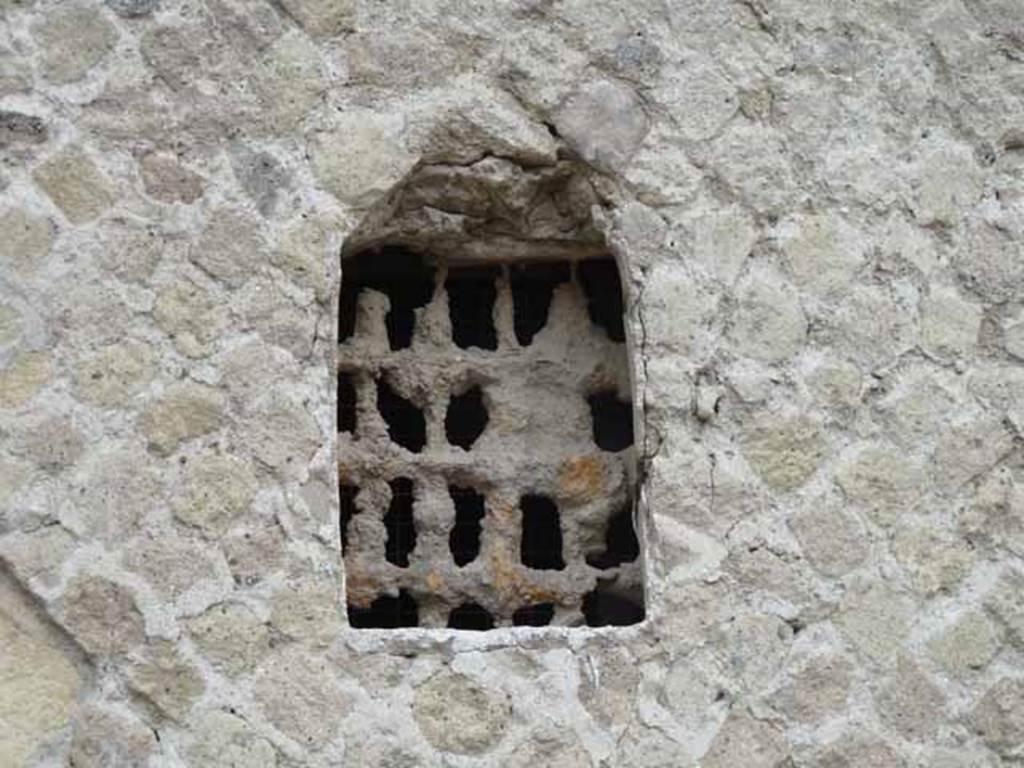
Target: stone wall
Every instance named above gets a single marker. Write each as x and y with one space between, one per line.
818 210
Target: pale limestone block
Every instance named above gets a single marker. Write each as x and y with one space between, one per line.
76 185
457 715
360 159
25 240
74 39
23 377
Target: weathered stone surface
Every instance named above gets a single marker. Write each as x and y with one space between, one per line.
742 740
53 443
185 412
226 741
117 490
949 325
996 513
604 122
455 714
74 39
911 703
300 697
322 19
230 248
360 159
174 566
282 433
131 9
114 374
302 252
881 479
858 752
76 185
308 610
38 679
103 738
288 84
262 177
231 636
769 324
968 449
998 718
966 646
950 183
23 377
37 554
753 646
935 561
822 252
100 615
784 450
164 677
17 128
613 699
1006 604
990 263
165 178
215 491
818 691
26 240
10 324
191 315
876 619
830 537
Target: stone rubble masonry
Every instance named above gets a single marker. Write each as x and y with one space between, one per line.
816 208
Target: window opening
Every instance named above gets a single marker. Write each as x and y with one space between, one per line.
471 296
386 613
406 424
347 402
605 606
612 421
470 616
541 546
600 281
399 523
480 300
464 539
466 418
533 287
620 542
348 495
538 615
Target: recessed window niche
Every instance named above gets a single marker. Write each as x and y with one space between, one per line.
486 435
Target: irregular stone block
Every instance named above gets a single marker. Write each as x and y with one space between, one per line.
604 122
25 240
457 715
76 185
184 413
73 40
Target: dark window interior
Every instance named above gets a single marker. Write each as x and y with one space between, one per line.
406 424
471 296
400 524
599 279
466 418
612 421
386 613
541 545
470 616
464 539
533 286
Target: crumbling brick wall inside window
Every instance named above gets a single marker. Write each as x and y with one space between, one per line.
485 417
